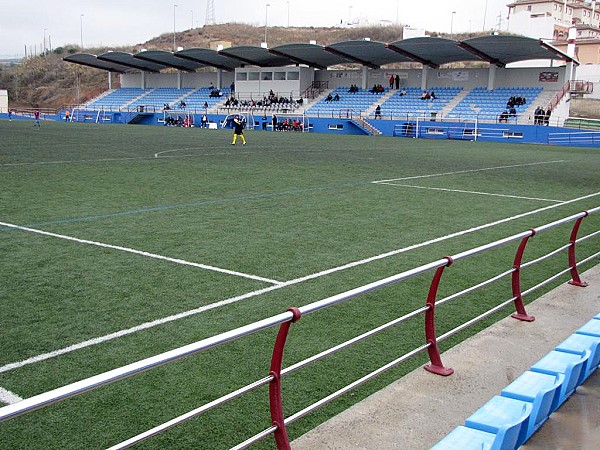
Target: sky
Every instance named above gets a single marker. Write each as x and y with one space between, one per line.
128 22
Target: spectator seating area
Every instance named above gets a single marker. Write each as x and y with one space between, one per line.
117 98
195 99
488 105
478 103
156 98
511 418
358 102
410 104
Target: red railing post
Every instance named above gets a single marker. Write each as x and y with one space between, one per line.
521 314
575 280
436 365
275 398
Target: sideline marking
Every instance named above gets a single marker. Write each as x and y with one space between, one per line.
8 397
472 192
470 170
108 337
142 253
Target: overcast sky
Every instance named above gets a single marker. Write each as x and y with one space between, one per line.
128 22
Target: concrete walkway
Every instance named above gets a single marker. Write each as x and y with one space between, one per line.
418 410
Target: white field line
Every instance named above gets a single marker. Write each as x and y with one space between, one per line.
108 337
473 192
142 253
469 171
8 397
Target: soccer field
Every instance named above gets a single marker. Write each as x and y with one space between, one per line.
121 242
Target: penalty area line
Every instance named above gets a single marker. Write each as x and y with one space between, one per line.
461 191
469 171
142 253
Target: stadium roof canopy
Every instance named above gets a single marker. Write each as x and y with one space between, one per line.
430 51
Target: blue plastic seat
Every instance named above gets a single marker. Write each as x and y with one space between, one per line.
463 438
591 328
503 414
578 343
541 390
568 364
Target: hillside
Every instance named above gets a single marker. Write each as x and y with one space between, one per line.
49 82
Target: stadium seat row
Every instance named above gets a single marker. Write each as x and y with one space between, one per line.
511 418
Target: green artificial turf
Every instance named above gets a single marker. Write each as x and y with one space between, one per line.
286 208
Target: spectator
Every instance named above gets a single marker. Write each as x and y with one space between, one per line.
503 116
392 79
547 116
264 122
204 121
432 95
329 98
397 79
378 112
274 122
336 98
402 92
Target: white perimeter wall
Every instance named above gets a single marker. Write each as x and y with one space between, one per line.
467 78
3 101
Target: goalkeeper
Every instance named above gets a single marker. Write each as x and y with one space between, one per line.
238 130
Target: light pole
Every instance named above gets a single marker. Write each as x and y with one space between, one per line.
288 6
484 14
174 43
397 10
192 11
349 15
44 41
81 30
266 17
452 24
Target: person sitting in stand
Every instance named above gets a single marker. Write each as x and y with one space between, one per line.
432 95
336 98
425 95
329 98
503 116
402 92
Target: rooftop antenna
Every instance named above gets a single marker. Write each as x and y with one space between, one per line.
210 13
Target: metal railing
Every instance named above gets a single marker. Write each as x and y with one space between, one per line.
278 427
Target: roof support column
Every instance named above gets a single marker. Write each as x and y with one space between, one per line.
570 75
364 79
424 75
109 79
219 78
491 77
178 79
143 80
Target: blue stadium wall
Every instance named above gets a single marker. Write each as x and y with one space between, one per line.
530 134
